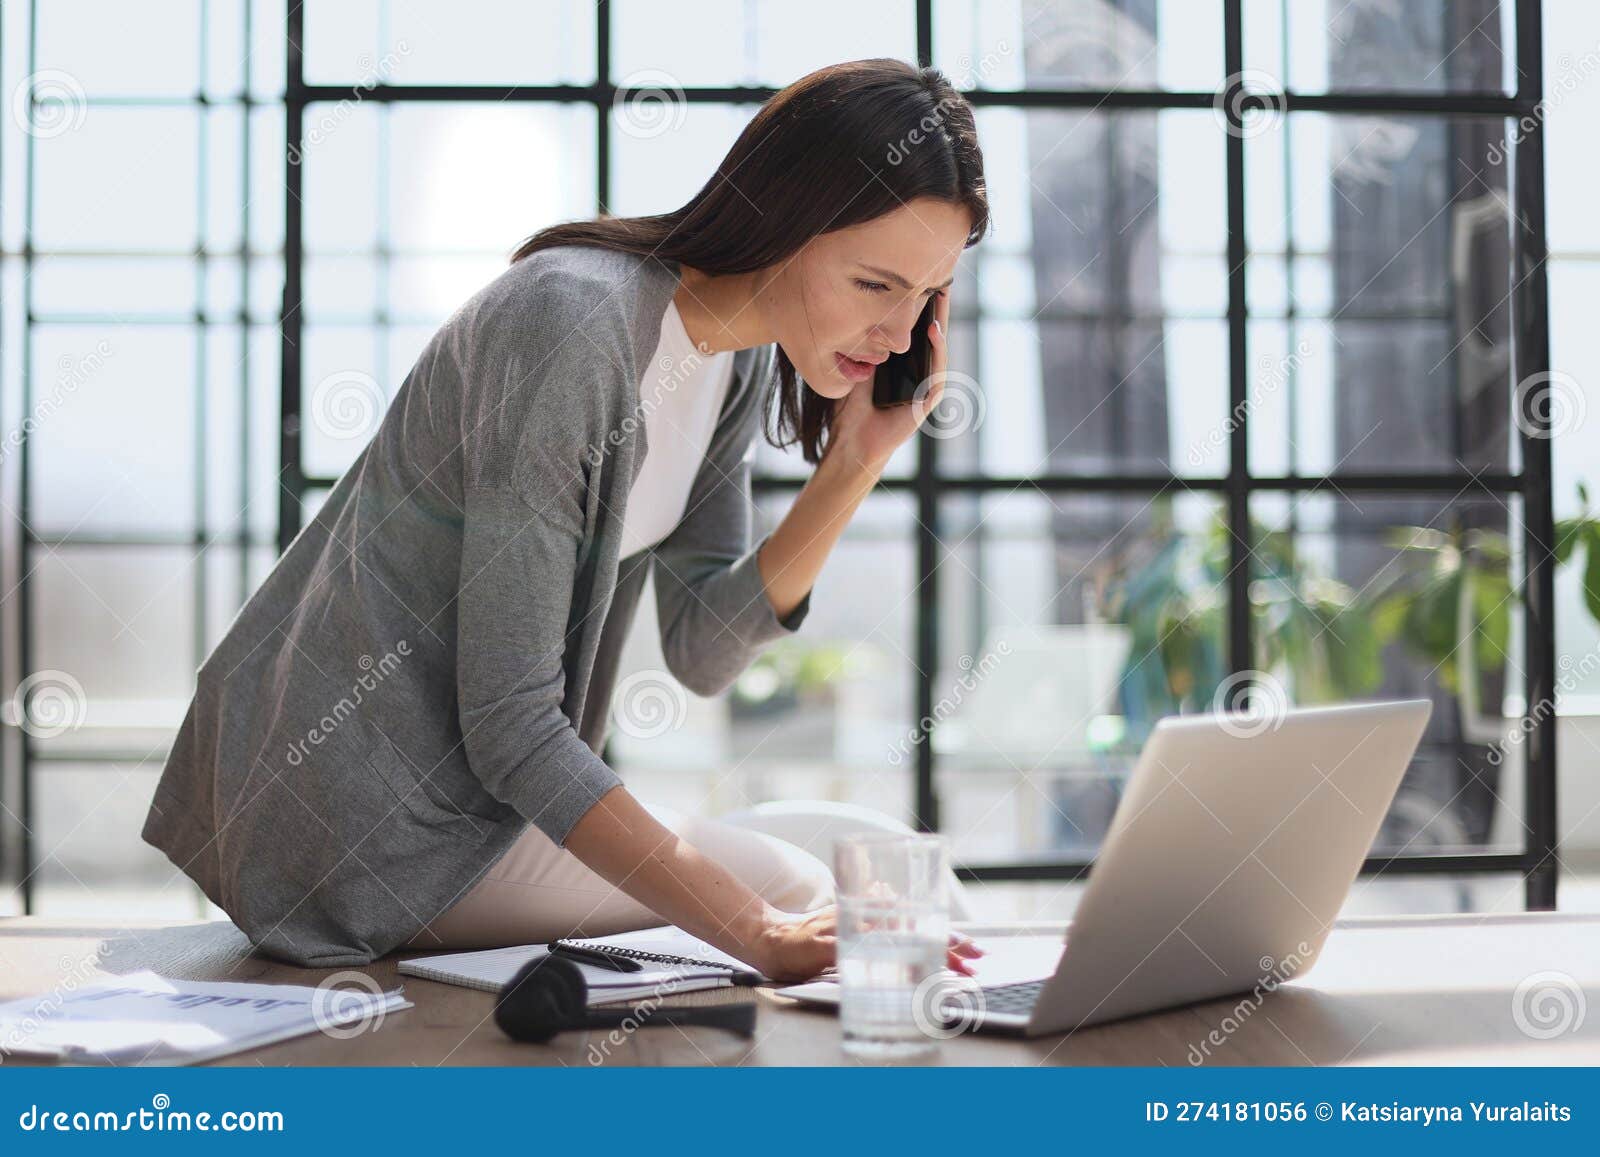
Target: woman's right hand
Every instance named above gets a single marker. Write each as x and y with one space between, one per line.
796 946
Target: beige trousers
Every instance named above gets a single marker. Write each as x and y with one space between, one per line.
538 891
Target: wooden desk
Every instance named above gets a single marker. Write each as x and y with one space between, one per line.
1435 990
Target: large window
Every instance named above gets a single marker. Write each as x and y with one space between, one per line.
1253 399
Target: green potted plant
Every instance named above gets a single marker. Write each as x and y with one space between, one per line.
1451 606
1175 606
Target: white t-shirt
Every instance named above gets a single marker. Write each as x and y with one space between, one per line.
681 393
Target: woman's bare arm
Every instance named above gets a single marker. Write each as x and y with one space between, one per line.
627 846
792 557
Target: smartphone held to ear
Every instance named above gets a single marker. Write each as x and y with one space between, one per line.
897 379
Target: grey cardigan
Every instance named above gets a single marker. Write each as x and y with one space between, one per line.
429 666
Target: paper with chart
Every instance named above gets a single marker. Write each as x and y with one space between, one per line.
145 1018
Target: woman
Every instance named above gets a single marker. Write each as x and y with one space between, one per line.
395 744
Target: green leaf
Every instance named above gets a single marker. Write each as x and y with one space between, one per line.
1568 533
1492 621
1388 613
1415 538
1431 622
1591 573
1353 649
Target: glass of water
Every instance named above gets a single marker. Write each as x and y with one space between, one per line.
894 932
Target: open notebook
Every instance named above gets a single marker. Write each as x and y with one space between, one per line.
490 969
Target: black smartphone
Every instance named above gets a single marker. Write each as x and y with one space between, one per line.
897 379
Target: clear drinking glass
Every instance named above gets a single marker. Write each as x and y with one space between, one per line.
894 932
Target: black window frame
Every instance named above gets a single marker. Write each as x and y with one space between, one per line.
1536 861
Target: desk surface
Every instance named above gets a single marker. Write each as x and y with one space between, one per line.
1455 990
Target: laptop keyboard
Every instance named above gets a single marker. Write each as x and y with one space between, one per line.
1013 998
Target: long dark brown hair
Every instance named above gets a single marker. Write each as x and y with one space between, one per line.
796 172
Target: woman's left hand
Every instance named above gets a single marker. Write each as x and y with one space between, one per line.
962 949
863 434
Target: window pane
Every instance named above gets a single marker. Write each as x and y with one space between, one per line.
113 429
144 49
347 390
1385 240
1452 46
815 716
92 861
1103 291
268 53
241 446
310 502
341 289
1073 44
119 286
231 575
119 621
430 288
450 42
351 374
1068 625
226 201
148 201
476 177
227 385
664 150
766 42
1360 596
265 366
1575 349
266 209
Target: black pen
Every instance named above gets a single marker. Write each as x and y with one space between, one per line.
599 959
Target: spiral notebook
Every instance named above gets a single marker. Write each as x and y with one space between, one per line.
674 962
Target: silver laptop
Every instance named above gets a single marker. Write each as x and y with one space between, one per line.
1230 855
